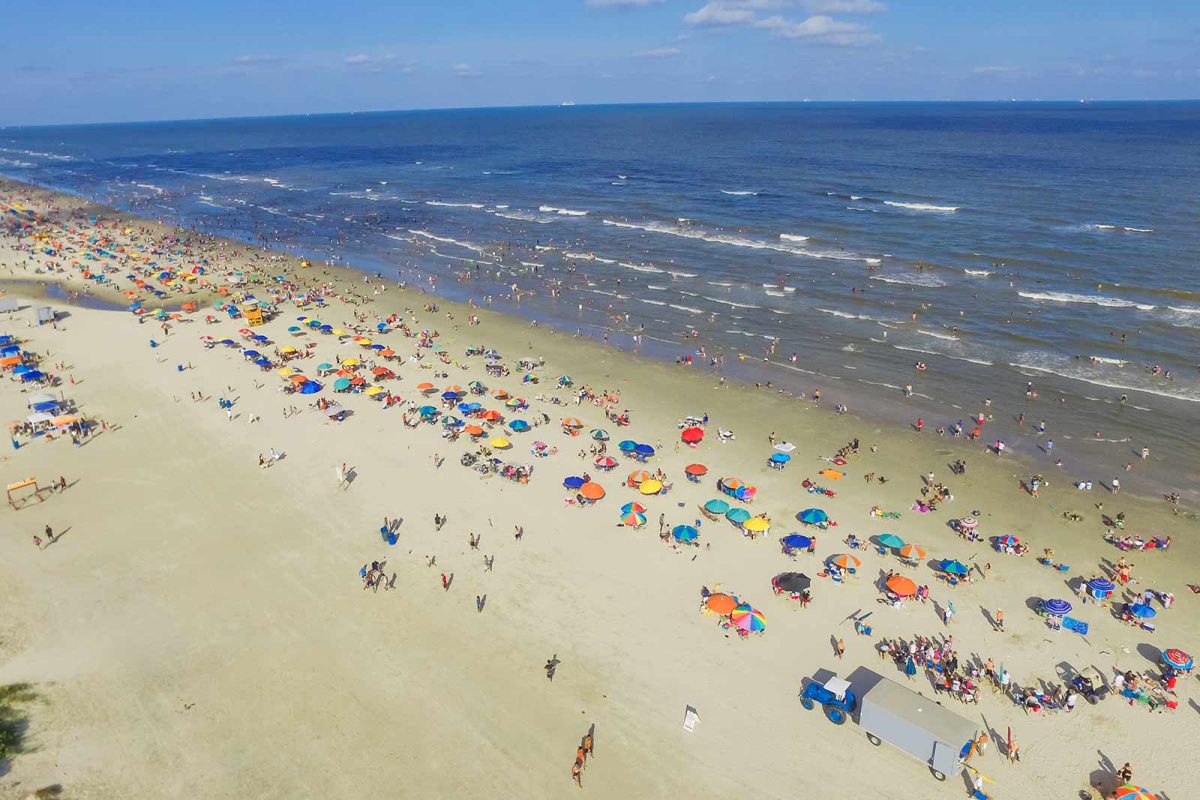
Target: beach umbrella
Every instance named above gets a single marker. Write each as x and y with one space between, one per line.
731 484
299 379
334 410
378 390
1132 792
696 470
492 415
685 533
310 387
737 515
477 385
287 348
1056 607
757 525
716 506
427 411
627 446
572 422
341 384
644 450
573 482
968 523
605 462
780 458
227 342
953 567
447 422
592 491
287 372
338 332
473 430
845 561
890 540
387 352
33 375
349 362
600 435
326 329
633 519
912 551
251 353
449 396
382 372
22 369
295 329
650 487
518 426
1177 659
813 516
792 581
500 443
1101 586
1007 541
633 507
1142 611
455 390
263 362
324 367
692 435
902 586
515 402
638 477
748 619
500 394
720 603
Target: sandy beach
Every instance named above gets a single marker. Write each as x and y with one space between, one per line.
199 627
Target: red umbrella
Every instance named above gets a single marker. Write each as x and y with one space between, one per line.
692 435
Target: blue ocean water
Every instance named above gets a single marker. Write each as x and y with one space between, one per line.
1053 243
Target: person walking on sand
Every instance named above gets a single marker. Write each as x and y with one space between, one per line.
1000 619
50 534
551 667
518 532
840 647
577 774
37 541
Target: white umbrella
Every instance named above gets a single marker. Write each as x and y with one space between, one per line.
333 411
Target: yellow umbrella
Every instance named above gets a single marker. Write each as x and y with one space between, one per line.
287 372
651 486
287 348
756 524
500 443
350 362
338 332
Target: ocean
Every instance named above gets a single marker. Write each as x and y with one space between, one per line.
815 245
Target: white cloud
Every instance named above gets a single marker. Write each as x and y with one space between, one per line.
720 13
820 28
464 70
844 7
621 3
358 58
662 52
993 70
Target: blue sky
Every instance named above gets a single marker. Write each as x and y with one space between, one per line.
75 61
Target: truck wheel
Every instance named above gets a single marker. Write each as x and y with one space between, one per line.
807 703
835 714
941 776
873 739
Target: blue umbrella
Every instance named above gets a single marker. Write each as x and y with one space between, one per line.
813 516
381 326
260 339
780 458
627 446
300 318
716 506
427 411
1056 607
310 387
737 515
21 369
265 362
378 347
685 533
1101 585
796 541
953 567
574 482
452 422
227 342
295 329
644 450
251 353
449 395
1141 611
518 426
313 323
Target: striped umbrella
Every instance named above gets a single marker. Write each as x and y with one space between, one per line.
1177 659
1056 607
633 508
1101 586
1007 541
813 516
845 561
912 551
685 533
968 523
633 519
748 619
1131 792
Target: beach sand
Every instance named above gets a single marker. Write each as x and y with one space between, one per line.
200 629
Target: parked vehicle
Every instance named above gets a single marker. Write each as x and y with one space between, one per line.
834 696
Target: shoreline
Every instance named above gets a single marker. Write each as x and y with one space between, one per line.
196 577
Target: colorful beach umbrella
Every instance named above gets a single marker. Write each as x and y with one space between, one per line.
748 619
813 516
341 384
652 486
1008 540
953 567
685 533
968 523
1178 659
890 540
627 446
902 586
911 551
716 506
845 561
638 477
518 426
633 508
633 519
572 422
427 411
605 462
1132 792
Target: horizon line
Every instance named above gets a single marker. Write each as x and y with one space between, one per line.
567 104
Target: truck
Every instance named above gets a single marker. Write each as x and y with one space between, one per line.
892 713
917 725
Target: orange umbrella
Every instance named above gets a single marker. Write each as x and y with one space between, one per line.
381 371
454 388
299 379
424 387
500 394
845 561
720 603
473 430
696 469
732 483
492 415
387 352
638 476
902 586
572 422
912 551
592 491
11 361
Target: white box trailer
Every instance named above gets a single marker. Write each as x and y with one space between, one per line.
917 725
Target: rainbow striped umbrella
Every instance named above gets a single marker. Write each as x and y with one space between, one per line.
633 519
1131 792
748 619
633 508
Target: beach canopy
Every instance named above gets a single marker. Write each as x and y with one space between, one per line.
795 541
692 435
716 506
845 561
748 619
720 603
737 515
912 551
32 375
1142 611
1177 659
685 533
632 508
592 491
792 581
1056 606
902 586
696 469
890 540
953 567
813 516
